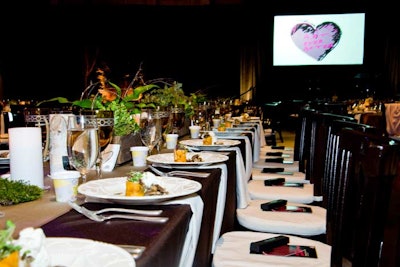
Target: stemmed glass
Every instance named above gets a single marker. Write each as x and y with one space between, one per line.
177 118
82 143
150 129
105 123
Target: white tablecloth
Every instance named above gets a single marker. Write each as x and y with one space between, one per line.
249 154
192 236
219 212
242 194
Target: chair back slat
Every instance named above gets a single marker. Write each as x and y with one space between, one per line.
315 160
360 188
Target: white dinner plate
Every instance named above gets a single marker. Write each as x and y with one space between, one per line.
198 143
113 189
80 252
167 159
226 133
6 159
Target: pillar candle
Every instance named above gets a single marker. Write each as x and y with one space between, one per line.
26 159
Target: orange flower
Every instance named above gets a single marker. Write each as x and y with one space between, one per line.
108 95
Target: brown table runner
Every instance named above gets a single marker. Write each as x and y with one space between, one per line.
162 240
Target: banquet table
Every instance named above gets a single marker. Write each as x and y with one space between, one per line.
163 242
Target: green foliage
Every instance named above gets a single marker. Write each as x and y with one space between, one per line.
15 192
135 176
6 242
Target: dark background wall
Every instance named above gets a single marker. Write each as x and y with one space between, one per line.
43 54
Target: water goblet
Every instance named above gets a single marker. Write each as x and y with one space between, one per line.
82 143
177 118
150 129
105 123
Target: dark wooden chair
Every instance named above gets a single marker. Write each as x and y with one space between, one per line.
358 183
273 116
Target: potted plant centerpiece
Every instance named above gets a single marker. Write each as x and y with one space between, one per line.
172 98
123 102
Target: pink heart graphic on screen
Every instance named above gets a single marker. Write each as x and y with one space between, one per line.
316 42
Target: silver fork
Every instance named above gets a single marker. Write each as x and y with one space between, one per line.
100 218
179 173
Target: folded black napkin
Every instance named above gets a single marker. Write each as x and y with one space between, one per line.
280 181
277 147
259 247
275 181
277 160
272 170
277 154
274 204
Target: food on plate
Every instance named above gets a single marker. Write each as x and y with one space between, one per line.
134 186
9 251
4 155
28 250
180 154
144 184
195 158
246 117
207 139
228 124
222 127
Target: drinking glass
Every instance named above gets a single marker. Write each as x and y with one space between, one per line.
150 128
82 143
177 118
105 123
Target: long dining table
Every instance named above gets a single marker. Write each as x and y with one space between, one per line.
164 242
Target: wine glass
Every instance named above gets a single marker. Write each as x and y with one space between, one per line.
105 123
150 128
177 118
82 143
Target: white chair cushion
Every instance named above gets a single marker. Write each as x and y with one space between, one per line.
296 177
233 251
258 190
296 223
290 167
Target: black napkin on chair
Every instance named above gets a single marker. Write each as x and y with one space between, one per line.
277 160
272 170
275 181
277 154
